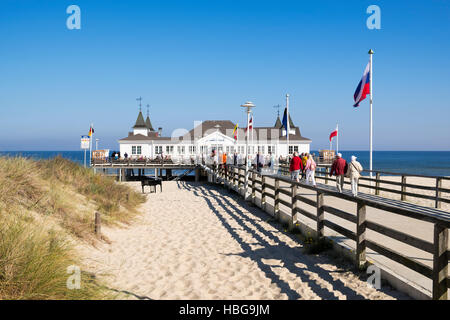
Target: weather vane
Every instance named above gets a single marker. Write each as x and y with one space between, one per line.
278 109
140 103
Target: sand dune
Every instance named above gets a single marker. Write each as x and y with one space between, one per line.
196 241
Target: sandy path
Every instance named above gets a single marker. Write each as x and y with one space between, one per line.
196 241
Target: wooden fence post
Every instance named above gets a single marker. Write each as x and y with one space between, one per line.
361 235
440 262
263 192
239 179
320 215
377 184
293 205
97 227
403 196
438 193
253 187
276 204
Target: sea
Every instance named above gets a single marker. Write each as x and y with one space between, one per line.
431 163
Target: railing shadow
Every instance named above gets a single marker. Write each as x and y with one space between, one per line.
219 203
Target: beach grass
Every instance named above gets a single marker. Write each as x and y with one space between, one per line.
46 206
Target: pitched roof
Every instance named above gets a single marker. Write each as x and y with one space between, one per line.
148 124
226 128
140 137
140 123
278 123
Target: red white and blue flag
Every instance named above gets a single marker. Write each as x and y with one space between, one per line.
363 88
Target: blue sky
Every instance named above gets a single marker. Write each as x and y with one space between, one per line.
199 60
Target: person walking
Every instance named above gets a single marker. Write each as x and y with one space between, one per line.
224 163
295 166
354 173
310 170
259 161
338 169
271 161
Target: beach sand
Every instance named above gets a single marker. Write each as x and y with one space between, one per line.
197 241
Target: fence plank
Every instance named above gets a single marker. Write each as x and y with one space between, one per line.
400 236
341 214
400 258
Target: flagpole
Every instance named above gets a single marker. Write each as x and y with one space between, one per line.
287 125
371 118
337 139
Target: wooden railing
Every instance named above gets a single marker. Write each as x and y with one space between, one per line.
379 177
235 177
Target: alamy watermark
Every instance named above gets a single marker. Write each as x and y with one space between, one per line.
74 20
74 280
374 20
374 280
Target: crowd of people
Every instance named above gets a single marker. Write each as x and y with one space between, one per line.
305 166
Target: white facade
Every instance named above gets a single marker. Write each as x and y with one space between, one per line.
211 135
205 145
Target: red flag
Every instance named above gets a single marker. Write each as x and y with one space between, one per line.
334 134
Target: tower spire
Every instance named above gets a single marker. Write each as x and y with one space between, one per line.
148 108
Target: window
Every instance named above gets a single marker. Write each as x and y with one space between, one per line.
261 149
169 149
136 150
192 149
295 148
180 149
158 149
271 149
291 148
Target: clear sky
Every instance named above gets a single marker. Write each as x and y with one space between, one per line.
199 60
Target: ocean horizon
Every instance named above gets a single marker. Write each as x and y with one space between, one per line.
432 163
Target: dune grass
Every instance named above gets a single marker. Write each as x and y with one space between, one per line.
46 206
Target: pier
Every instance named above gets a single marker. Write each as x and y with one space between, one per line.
408 242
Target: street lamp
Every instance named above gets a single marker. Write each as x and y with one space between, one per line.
248 106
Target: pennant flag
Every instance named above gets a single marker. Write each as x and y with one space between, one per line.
363 87
91 131
235 131
250 124
334 134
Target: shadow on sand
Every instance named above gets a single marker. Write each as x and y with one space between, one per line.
223 205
